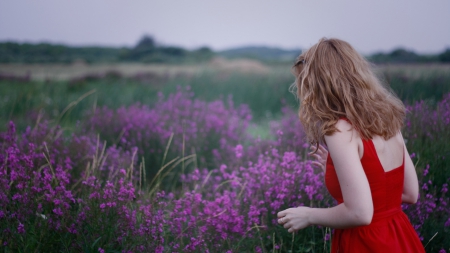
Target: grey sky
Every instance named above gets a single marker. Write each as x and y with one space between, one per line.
369 25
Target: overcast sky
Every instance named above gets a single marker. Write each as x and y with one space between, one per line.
369 25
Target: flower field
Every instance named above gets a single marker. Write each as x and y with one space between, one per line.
184 174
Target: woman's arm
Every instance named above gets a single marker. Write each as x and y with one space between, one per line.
411 184
357 208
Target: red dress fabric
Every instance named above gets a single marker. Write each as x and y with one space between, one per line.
390 229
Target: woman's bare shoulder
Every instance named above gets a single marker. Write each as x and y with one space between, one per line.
345 135
345 129
343 124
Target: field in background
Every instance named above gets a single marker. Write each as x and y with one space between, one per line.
28 89
67 72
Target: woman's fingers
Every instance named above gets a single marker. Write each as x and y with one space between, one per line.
320 165
312 148
319 158
317 164
319 161
321 147
281 214
321 150
317 153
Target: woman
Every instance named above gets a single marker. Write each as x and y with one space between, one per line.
368 169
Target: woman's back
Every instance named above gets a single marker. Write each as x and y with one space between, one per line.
386 185
383 162
390 152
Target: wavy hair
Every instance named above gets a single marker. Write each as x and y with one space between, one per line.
334 81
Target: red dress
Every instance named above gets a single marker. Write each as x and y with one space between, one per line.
390 229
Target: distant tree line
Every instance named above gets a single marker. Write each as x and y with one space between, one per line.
148 51
401 55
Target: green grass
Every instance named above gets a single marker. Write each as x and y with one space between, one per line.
417 82
264 93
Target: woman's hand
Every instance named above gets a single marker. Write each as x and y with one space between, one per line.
294 219
320 156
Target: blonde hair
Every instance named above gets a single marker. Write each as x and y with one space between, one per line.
334 81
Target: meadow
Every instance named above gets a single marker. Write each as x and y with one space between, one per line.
155 158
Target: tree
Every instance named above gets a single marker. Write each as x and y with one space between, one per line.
145 43
445 56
